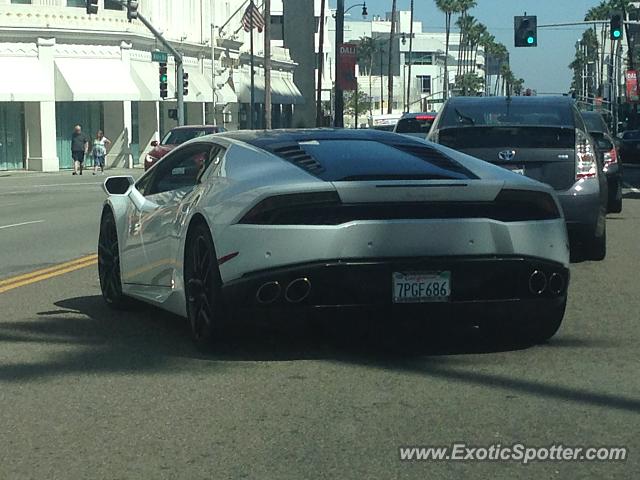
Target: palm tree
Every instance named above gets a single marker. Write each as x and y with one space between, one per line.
487 42
448 7
466 25
366 51
463 9
475 39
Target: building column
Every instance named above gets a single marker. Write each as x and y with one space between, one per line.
149 127
40 119
117 128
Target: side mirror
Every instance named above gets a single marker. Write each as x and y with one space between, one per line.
118 185
154 143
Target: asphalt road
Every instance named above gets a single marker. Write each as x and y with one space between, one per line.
46 219
89 393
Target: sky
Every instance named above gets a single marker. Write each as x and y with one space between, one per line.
544 68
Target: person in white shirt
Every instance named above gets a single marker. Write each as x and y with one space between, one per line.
99 151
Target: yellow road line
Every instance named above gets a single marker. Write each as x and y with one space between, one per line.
47 273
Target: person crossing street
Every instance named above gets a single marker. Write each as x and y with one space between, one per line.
99 151
79 149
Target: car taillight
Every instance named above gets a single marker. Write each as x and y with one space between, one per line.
586 163
610 157
528 205
290 209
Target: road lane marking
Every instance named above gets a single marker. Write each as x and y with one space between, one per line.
47 273
21 224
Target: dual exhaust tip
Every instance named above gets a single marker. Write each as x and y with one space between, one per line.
295 292
540 283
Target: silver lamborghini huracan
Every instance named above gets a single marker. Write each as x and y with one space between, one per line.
322 218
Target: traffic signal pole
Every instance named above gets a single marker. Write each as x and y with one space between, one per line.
179 65
129 7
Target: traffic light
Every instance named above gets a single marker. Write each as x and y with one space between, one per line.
132 9
92 7
163 78
185 83
526 31
616 26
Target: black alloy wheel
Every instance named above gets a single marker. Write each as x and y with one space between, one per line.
109 262
205 309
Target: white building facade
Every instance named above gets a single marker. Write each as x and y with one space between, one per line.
62 67
423 90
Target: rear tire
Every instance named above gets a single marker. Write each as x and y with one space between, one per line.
596 248
203 286
109 263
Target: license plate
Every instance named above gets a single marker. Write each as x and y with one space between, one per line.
421 287
515 169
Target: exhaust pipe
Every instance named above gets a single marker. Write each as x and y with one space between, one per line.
297 290
268 293
537 282
556 284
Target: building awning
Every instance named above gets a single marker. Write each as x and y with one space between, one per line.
225 95
146 77
24 80
296 95
283 90
94 79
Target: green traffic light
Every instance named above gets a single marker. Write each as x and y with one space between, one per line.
617 33
163 78
531 40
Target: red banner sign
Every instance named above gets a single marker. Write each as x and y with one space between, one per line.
632 85
346 79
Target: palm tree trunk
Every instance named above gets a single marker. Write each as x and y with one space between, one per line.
370 86
445 90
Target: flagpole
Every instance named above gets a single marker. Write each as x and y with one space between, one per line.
252 64
267 64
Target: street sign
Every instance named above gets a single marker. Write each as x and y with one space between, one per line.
158 56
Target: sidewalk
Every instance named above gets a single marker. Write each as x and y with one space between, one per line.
136 171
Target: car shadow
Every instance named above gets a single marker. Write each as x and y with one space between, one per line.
147 340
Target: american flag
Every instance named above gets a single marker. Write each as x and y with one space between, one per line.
252 18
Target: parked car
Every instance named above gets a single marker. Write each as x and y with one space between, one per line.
630 146
175 137
330 218
385 122
544 138
415 124
606 146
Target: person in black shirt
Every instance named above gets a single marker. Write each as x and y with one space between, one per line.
79 148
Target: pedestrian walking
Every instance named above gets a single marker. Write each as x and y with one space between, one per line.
99 151
79 149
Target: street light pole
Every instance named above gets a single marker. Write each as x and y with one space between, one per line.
338 119
390 66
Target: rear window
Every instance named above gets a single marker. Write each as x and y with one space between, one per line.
352 160
179 136
415 125
507 113
595 123
514 137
